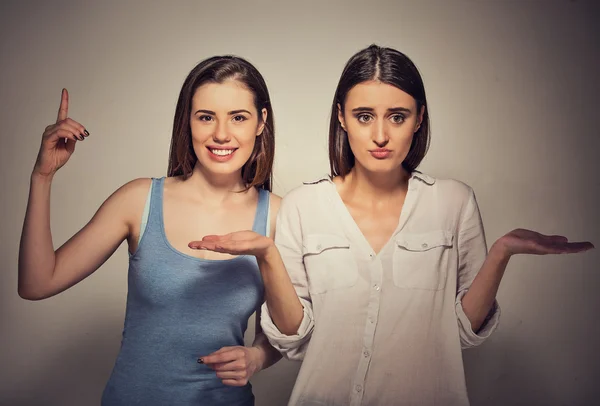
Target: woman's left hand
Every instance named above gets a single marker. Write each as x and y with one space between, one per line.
521 241
233 365
237 243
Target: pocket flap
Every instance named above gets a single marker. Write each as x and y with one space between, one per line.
317 243
425 241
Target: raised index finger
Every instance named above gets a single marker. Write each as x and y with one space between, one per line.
63 110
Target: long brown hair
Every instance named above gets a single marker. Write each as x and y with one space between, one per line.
387 66
258 170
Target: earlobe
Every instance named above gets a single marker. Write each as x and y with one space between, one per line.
420 120
341 117
261 127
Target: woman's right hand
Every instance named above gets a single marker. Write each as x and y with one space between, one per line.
58 140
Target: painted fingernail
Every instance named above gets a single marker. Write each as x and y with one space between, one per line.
200 361
86 132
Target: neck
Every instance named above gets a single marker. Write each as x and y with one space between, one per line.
379 186
221 187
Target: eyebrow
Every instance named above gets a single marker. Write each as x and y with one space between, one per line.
232 112
372 110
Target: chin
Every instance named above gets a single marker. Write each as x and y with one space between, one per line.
222 169
382 167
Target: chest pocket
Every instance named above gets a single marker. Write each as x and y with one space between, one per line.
421 260
329 263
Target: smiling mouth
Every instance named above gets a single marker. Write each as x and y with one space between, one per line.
222 151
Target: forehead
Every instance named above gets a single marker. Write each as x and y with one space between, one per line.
229 95
375 94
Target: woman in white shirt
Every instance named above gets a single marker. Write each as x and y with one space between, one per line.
380 274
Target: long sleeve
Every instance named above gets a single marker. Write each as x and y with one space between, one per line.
472 251
288 239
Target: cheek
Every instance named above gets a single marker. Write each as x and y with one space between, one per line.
200 131
358 136
244 135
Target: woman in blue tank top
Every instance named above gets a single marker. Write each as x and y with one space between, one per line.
187 310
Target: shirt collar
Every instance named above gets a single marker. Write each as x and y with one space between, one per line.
425 178
415 174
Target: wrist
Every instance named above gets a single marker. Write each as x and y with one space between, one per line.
270 255
257 355
500 250
37 176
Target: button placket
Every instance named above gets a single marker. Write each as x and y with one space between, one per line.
376 277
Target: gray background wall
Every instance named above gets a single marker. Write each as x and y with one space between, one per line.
513 92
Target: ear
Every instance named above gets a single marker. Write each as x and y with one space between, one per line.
341 117
261 126
420 119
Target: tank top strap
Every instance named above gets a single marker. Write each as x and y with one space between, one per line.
261 218
155 213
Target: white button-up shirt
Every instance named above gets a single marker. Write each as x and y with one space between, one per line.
387 328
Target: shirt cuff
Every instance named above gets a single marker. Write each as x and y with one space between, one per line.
292 347
468 338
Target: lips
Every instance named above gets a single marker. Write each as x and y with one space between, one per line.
221 154
380 153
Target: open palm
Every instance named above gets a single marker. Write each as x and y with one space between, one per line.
237 243
521 241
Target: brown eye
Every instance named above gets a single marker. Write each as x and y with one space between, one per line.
239 119
397 118
205 118
364 118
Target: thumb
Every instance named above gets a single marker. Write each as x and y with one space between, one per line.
63 110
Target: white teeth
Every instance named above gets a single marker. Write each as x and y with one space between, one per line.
222 152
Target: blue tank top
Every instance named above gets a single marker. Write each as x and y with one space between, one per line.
179 308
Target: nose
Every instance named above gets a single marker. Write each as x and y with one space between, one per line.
379 135
221 135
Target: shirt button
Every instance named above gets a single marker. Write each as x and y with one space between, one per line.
366 354
358 388
424 245
376 287
319 247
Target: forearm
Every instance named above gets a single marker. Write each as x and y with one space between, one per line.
479 299
36 252
267 355
284 305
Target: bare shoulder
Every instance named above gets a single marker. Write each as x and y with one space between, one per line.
131 192
129 199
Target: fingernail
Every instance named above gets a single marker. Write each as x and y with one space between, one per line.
86 132
81 137
200 361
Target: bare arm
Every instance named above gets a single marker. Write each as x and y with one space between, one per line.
285 307
282 300
265 353
478 301
44 272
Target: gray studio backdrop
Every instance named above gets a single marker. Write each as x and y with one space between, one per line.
513 89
